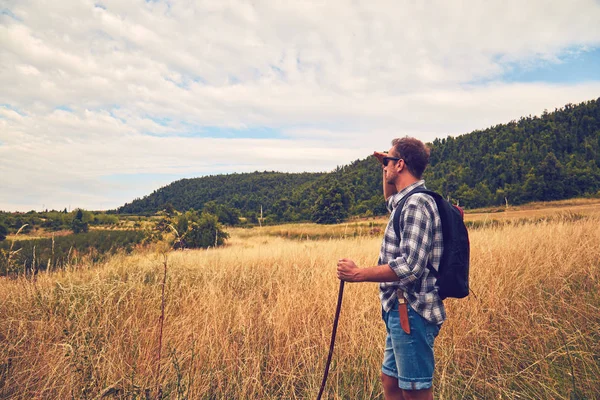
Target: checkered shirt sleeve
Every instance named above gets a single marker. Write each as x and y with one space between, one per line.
421 243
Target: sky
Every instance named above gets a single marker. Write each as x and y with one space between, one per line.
105 101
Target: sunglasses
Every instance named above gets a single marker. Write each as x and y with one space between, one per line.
385 160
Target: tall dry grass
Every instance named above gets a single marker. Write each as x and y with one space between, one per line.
252 321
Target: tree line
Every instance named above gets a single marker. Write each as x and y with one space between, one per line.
549 157
77 220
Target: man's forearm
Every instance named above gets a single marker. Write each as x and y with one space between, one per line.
380 273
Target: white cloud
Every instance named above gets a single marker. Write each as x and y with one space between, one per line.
91 89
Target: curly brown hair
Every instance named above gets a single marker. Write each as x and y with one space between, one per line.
414 153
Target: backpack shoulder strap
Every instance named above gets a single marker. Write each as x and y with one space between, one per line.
398 212
400 206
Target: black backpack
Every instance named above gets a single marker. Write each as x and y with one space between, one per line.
453 272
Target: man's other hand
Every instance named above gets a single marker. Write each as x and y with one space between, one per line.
379 156
348 271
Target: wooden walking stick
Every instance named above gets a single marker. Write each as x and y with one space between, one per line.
333 332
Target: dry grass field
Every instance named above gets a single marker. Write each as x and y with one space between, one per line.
252 320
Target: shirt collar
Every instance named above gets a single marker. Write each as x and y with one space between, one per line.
401 194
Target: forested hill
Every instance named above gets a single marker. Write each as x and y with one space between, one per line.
282 196
553 156
246 192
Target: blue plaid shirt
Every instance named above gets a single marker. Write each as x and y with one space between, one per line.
421 243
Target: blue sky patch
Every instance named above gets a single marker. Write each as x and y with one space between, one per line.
245 133
218 132
186 81
162 121
279 72
112 114
9 13
233 80
9 107
578 67
190 130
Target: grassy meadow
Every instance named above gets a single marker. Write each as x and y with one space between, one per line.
252 320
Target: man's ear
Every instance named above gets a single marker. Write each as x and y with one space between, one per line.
400 168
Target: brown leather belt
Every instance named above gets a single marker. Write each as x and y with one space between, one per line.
403 312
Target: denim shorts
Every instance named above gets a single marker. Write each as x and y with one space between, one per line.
409 358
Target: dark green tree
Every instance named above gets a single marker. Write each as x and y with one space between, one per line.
226 214
552 176
205 231
3 232
280 209
465 196
182 224
78 225
331 206
483 195
169 209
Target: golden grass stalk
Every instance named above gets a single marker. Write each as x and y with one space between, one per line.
161 326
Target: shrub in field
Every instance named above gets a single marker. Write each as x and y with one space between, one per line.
79 225
200 230
3 232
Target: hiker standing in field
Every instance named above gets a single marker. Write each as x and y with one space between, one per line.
412 309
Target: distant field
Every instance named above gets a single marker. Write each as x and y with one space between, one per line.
536 210
529 213
252 320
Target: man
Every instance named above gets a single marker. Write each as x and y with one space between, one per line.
412 310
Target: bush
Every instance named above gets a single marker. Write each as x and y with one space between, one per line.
3 232
79 225
201 231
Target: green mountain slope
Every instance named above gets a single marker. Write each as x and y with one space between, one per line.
553 156
246 192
